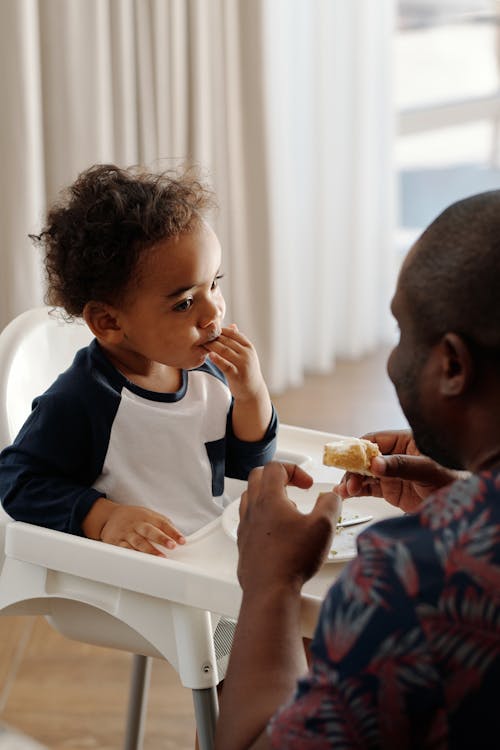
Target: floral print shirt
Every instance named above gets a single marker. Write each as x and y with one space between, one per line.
407 648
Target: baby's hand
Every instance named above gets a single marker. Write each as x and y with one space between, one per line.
139 528
235 355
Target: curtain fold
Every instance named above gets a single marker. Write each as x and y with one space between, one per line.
22 159
330 140
285 104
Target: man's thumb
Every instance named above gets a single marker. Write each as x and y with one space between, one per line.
412 468
329 505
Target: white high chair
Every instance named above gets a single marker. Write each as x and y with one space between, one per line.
89 591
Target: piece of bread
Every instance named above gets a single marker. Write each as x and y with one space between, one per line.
351 454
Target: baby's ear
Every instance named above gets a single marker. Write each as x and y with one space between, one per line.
102 319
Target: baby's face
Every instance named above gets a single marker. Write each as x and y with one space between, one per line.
176 307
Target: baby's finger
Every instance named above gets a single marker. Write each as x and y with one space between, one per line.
139 543
234 334
166 528
227 367
155 535
234 339
226 347
123 544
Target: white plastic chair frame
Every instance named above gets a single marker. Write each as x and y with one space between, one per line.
90 591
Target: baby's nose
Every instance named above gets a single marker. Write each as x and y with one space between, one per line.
213 313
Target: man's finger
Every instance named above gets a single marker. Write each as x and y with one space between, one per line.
243 504
254 479
356 485
388 439
268 481
414 468
276 476
328 504
297 477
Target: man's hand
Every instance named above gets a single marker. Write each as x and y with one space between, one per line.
279 549
403 476
130 526
279 545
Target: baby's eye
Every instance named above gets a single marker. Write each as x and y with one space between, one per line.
184 305
215 282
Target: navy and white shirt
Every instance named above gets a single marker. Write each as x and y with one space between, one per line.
93 433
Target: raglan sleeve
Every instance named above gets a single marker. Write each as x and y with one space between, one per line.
46 475
243 456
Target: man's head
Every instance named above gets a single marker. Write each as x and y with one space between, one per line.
448 308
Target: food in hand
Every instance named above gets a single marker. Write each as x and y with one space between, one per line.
351 454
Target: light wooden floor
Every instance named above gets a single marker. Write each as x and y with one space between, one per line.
70 696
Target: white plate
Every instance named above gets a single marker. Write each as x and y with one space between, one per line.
233 488
292 457
344 541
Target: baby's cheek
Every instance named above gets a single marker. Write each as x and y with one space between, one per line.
222 306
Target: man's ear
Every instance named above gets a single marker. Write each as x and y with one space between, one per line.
103 321
456 365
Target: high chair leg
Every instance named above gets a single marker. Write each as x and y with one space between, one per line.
206 708
137 703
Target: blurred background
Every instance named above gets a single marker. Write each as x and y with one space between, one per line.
333 132
446 66
286 105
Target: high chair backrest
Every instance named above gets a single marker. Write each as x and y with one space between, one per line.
34 348
66 577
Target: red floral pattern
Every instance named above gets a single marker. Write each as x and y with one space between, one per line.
407 648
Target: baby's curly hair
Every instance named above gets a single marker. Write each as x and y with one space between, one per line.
98 230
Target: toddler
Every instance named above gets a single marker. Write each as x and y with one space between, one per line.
131 444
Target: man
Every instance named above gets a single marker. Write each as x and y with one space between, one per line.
407 649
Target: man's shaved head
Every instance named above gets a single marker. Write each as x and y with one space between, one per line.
451 277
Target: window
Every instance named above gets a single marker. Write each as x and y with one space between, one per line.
447 58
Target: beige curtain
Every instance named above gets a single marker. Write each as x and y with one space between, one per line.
286 104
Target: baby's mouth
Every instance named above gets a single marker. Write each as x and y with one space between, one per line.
212 336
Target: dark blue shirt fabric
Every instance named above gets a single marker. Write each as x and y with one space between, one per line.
407 648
